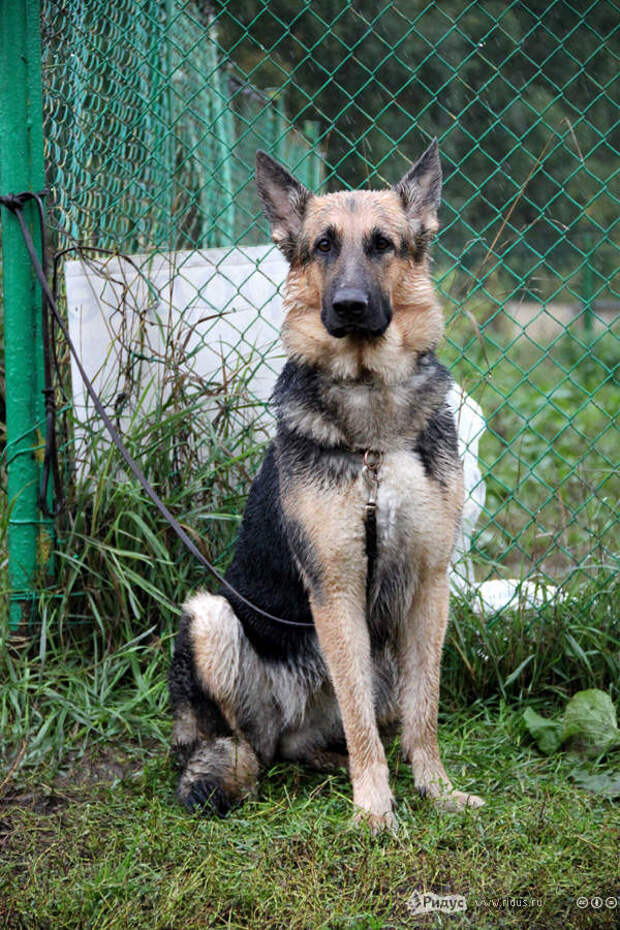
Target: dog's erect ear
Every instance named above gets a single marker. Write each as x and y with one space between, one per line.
284 201
420 192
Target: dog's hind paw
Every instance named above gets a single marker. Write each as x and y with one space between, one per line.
207 797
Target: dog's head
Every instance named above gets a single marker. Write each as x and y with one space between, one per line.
358 295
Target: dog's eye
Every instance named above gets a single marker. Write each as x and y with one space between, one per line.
323 245
382 244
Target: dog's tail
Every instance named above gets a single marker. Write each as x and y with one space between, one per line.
218 767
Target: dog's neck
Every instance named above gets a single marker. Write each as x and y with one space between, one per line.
365 412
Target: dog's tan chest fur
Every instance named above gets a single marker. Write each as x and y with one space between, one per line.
416 521
415 511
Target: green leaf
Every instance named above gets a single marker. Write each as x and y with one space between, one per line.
602 783
546 733
590 722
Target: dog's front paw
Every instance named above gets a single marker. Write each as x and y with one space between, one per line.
374 800
457 801
376 823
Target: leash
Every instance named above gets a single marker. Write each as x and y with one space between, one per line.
15 204
372 460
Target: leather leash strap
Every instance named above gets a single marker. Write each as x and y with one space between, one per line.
15 204
373 461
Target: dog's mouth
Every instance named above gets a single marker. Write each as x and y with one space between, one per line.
362 333
367 327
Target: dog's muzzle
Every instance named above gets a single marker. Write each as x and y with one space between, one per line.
354 311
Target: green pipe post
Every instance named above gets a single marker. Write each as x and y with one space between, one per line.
222 131
279 119
30 539
276 124
311 132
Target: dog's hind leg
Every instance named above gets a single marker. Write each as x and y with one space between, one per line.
318 739
225 720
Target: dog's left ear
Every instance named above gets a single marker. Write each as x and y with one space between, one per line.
420 192
284 201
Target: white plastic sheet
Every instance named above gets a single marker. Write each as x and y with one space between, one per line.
224 309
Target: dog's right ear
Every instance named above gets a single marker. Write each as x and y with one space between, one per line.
284 201
420 192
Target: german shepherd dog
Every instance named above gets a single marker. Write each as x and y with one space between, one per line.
363 429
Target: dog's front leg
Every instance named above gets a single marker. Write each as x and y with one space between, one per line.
326 527
343 637
420 662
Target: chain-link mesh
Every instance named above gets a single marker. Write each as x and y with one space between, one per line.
154 111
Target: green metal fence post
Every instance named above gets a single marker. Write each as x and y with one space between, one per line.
21 163
311 132
222 130
277 124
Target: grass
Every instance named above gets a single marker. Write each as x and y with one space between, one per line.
101 843
92 837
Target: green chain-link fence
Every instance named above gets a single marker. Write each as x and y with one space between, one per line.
153 110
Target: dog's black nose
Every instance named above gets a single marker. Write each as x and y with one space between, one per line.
355 311
350 303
